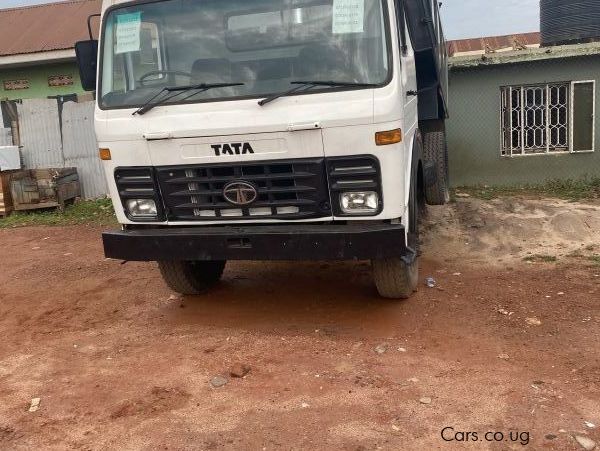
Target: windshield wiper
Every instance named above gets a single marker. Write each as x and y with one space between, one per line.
178 90
309 84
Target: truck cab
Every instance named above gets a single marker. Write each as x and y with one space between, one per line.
269 130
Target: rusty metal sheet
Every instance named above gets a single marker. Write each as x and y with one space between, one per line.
46 145
43 28
80 148
40 133
492 43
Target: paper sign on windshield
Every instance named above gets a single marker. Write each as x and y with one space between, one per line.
128 32
348 16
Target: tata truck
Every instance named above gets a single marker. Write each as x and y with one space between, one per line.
270 130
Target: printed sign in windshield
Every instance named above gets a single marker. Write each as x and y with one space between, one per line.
128 32
348 16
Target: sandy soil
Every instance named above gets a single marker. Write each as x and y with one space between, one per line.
499 345
506 230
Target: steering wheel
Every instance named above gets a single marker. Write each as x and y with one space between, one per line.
163 72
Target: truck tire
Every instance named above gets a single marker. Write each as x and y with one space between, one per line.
394 278
435 154
193 277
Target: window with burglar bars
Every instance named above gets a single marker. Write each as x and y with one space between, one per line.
548 118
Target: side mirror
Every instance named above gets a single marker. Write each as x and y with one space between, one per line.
87 60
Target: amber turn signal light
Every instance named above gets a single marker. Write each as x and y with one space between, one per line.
105 154
389 137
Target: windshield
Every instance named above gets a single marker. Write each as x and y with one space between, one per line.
262 44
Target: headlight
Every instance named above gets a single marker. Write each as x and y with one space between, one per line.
359 203
141 208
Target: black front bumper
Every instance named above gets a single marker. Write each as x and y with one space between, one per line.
277 242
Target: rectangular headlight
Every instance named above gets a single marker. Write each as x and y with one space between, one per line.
359 203
141 208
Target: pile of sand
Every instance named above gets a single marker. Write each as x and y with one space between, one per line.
510 229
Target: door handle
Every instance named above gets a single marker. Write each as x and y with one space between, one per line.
157 135
307 126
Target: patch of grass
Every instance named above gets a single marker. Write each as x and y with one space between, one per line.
541 258
84 212
572 190
575 254
595 259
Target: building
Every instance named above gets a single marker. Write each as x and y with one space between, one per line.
494 44
37 56
523 115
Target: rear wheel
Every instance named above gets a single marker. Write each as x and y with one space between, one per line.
191 277
394 277
435 153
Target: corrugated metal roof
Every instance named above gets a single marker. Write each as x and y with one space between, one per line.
525 56
490 44
43 28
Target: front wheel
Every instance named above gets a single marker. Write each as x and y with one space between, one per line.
394 277
191 277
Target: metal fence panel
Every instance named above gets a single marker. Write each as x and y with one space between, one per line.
80 148
40 133
5 137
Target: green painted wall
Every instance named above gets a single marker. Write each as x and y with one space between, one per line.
38 81
474 135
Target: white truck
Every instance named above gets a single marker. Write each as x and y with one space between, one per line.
270 130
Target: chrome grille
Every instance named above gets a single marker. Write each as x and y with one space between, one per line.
288 189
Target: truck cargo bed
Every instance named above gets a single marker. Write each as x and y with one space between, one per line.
431 57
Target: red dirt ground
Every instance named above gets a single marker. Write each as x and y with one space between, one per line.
120 364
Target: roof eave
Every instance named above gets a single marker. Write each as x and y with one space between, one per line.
32 59
524 56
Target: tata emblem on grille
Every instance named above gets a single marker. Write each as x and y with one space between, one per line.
240 193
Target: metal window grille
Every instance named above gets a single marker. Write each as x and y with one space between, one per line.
536 119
